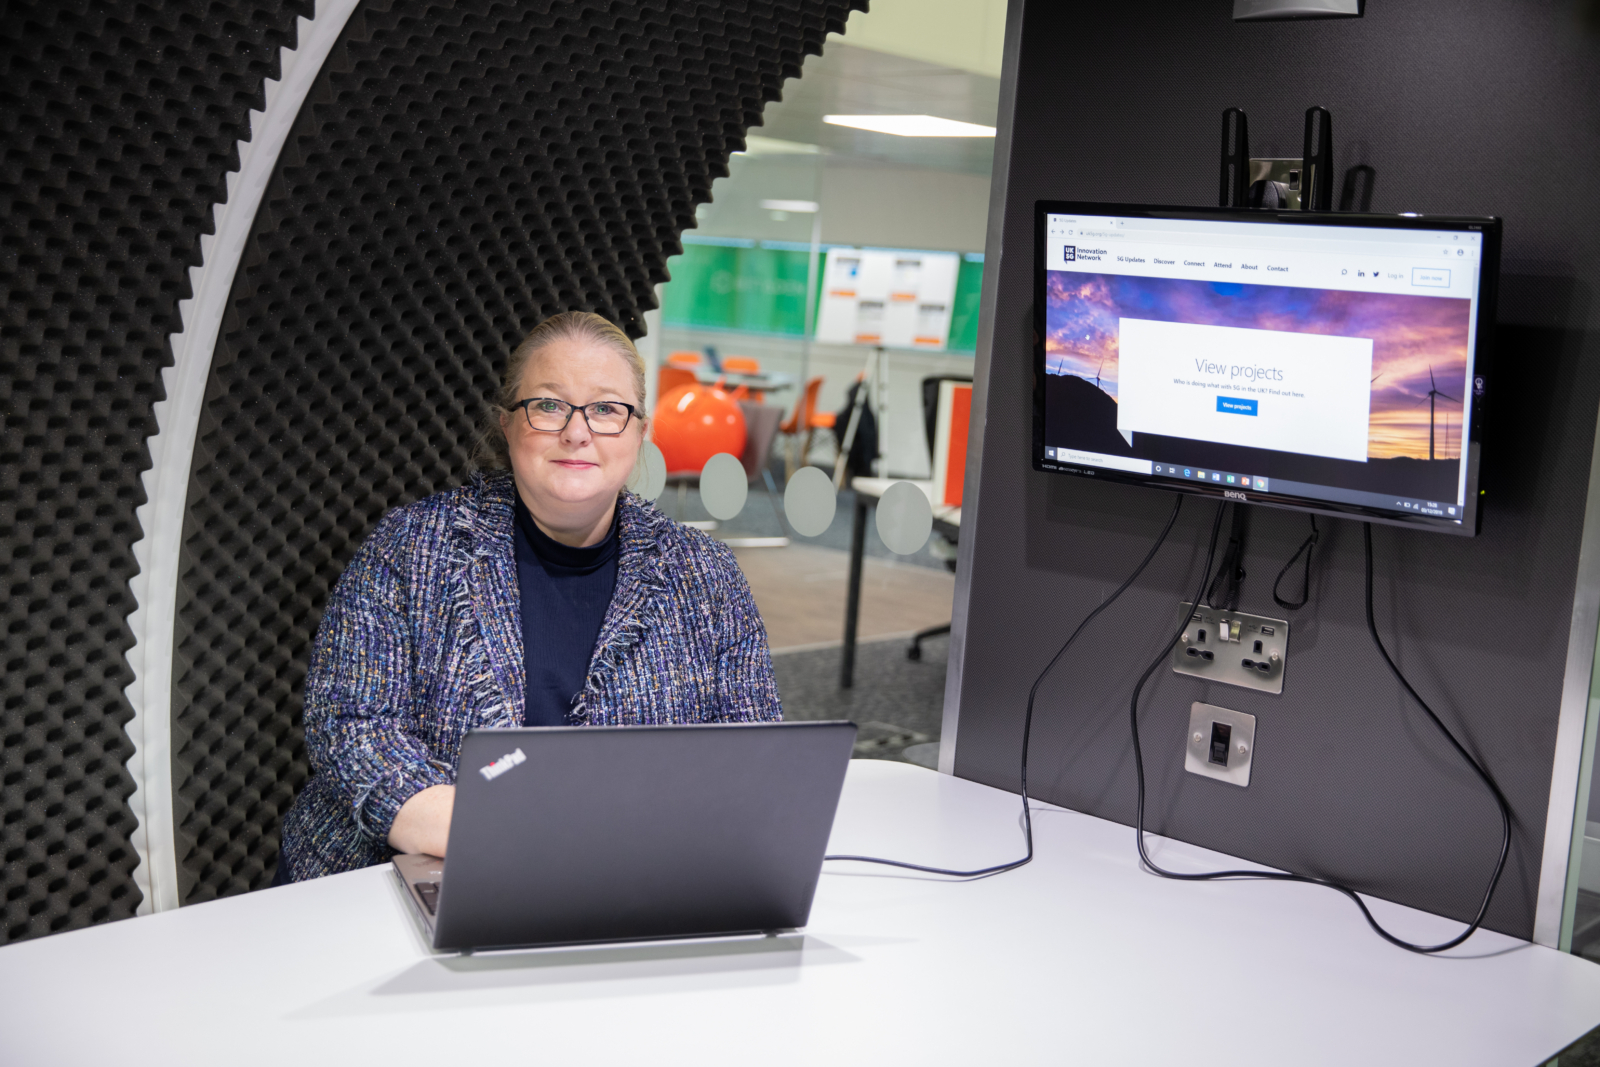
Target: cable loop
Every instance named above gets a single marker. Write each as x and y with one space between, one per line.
1283 876
1138 754
1027 723
1308 546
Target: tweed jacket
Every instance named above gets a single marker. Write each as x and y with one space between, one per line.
422 641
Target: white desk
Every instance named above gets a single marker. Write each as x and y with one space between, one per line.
1078 958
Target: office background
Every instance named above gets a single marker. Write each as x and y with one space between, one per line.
458 170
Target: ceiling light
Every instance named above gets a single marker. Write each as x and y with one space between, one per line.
755 145
799 207
911 125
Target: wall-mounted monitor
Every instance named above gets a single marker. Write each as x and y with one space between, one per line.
1333 363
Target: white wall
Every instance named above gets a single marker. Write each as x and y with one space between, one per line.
869 204
965 34
904 207
649 347
735 208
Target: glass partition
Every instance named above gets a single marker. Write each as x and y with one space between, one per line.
843 507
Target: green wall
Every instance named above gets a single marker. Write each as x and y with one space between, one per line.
735 284
964 314
737 287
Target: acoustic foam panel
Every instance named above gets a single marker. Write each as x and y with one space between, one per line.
1349 779
117 124
459 172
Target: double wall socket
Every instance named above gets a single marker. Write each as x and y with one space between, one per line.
1233 647
1222 743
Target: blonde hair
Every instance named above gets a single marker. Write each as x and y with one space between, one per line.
492 451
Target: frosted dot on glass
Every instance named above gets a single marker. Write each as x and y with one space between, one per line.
649 475
905 518
723 486
809 502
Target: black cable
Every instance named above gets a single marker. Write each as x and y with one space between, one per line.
1280 876
1027 722
1308 547
1231 568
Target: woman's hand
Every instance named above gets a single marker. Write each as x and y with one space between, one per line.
423 824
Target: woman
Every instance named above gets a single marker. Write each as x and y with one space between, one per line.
542 593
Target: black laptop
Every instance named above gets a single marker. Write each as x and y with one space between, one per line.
563 835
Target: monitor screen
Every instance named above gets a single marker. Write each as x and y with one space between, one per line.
1326 362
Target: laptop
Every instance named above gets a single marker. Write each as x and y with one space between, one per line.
564 835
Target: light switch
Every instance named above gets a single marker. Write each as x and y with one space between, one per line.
1222 743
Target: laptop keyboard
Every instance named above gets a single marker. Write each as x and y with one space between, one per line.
429 892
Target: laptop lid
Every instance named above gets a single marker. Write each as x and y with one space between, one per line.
571 834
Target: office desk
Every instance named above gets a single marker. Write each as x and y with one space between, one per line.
868 492
765 382
1077 958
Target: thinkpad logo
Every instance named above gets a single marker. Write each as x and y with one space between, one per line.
1234 495
501 765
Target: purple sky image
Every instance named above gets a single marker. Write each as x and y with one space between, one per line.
1409 333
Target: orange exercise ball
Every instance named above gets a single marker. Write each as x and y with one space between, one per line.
693 423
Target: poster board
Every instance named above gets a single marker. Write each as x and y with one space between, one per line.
894 299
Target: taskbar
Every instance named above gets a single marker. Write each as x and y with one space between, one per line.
1239 481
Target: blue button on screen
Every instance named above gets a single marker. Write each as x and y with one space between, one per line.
1235 406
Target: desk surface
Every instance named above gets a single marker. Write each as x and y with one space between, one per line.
1078 958
770 382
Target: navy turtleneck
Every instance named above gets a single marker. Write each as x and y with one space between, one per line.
564 594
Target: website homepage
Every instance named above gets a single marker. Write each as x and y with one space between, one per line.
1315 361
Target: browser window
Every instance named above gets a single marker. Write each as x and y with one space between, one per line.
1329 363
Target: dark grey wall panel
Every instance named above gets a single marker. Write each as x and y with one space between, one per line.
460 171
117 124
1461 106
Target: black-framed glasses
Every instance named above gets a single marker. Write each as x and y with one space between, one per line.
549 415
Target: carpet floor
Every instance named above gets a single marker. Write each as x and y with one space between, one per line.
896 703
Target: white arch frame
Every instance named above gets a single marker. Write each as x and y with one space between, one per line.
166 482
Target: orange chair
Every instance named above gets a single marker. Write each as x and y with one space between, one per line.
685 360
669 378
745 365
805 420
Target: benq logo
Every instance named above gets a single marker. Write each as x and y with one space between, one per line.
502 765
1230 494
1069 253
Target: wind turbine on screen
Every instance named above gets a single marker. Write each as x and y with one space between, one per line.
1097 371
1434 395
